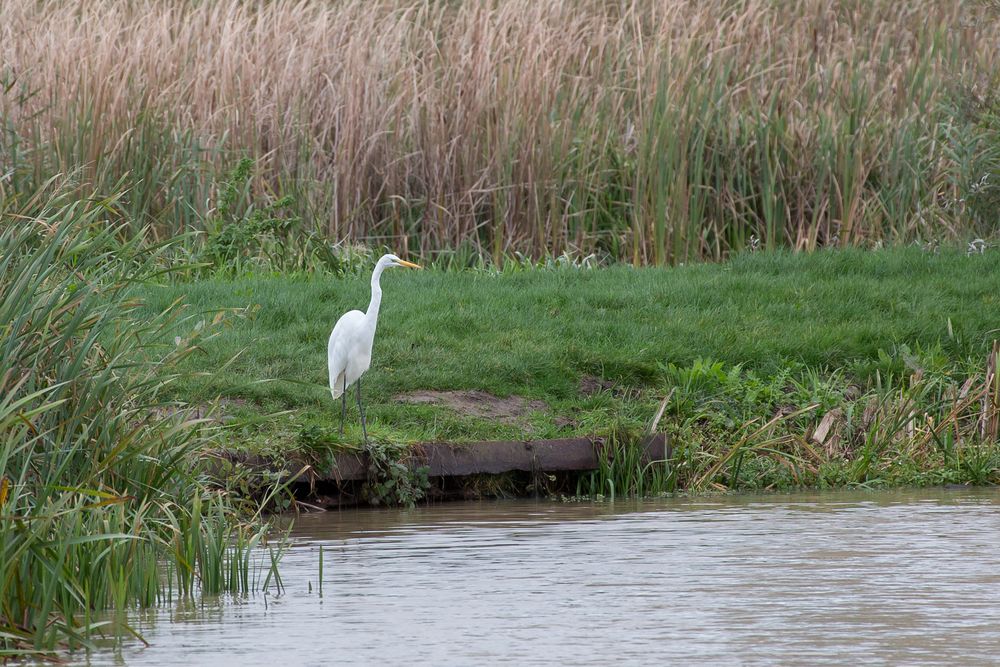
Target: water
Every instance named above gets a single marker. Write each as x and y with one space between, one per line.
886 578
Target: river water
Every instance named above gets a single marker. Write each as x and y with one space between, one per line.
885 578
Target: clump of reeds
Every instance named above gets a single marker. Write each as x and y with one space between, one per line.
102 506
914 422
650 131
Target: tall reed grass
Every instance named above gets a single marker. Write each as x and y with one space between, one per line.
651 131
102 505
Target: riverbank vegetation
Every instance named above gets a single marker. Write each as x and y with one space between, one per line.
103 504
646 132
845 342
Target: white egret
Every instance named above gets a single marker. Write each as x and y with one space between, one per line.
349 352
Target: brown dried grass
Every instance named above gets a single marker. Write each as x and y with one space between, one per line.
656 131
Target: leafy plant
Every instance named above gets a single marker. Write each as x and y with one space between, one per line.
239 230
390 480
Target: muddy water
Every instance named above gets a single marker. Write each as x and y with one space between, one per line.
890 578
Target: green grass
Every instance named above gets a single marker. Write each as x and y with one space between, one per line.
537 333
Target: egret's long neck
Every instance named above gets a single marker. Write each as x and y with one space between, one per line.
376 301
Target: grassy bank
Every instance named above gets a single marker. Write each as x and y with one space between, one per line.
598 350
652 132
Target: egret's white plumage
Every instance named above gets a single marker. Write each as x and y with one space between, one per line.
349 350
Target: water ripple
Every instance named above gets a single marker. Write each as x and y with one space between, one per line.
893 578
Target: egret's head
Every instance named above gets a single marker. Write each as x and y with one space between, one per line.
392 260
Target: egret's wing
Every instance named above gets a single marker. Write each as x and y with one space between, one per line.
341 341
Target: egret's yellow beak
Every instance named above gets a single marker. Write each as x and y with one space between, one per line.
410 265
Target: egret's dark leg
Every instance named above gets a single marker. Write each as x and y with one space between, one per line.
343 412
364 429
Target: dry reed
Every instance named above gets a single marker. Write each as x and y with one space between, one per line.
653 131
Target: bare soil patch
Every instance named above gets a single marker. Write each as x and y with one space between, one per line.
481 404
590 385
